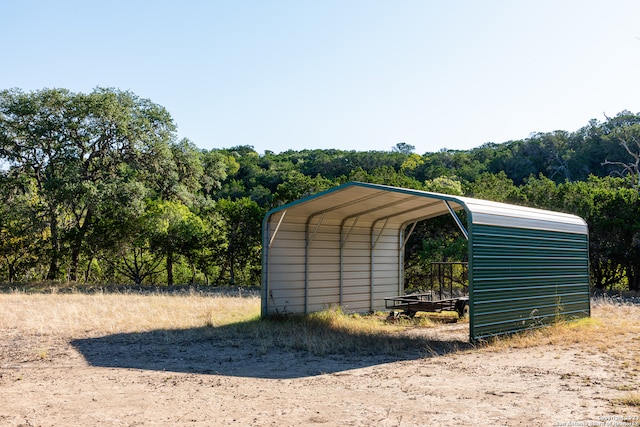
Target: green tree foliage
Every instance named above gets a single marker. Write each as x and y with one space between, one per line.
174 231
129 255
74 146
216 166
497 187
242 230
296 185
94 187
444 185
436 240
385 176
404 148
213 244
20 231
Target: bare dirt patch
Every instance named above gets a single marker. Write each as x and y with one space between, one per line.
167 360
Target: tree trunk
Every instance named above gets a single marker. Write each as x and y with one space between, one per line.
232 273
170 268
54 268
73 270
193 272
87 272
633 276
77 244
12 273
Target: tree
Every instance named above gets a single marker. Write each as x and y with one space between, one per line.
119 230
497 187
410 164
626 131
540 192
448 163
212 243
20 230
129 254
385 175
297 185
444 185
404 148
188 173
174 230
434 240
216 166
557 154
242 231
74 146
614 227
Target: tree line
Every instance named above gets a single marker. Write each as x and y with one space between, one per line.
97 189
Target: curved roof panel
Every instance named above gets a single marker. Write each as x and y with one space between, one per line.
373 202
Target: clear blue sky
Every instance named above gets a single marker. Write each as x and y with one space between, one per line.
347 74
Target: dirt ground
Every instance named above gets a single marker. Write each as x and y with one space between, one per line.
117 381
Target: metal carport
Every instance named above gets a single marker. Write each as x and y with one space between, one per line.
527 267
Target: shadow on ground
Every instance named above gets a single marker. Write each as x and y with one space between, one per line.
246 351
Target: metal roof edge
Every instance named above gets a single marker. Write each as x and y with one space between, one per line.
348 184
439 196
526 213
306 199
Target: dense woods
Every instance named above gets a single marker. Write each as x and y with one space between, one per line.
96 189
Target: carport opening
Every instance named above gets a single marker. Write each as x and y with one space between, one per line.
435 273
431 246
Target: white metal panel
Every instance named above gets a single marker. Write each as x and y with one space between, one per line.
501 214
531 222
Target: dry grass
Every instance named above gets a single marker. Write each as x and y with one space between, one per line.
631 399
196 316
613 329
333 331
77 314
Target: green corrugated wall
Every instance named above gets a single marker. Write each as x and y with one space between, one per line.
525 278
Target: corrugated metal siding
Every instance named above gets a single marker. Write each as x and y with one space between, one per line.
306 268
525 278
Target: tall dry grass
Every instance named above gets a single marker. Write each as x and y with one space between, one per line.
179 318
78 314
334 331
613 329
